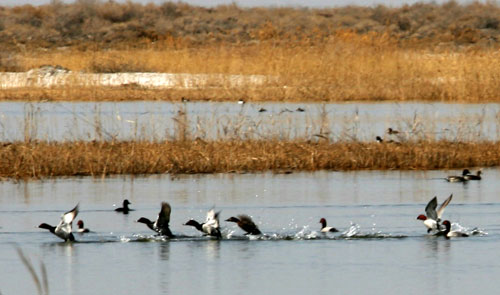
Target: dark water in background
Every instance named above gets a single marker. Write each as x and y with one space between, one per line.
229 120
383 249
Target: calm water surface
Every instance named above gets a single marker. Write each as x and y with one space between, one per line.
227 120
382 248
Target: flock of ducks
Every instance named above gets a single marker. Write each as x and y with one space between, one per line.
211 227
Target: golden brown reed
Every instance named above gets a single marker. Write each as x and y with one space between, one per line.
345 67
45 159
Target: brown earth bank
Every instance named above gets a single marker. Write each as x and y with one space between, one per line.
45 159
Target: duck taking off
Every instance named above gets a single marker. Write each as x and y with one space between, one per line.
210 226
246 223
432 216
64 228
161 224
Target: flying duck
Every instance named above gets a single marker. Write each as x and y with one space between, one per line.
473 177
81 228
245 223
456 178
125 209
432 217
161 224
392 131
63 229
447 233
210 226
326 229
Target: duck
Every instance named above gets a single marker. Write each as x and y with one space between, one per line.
241 102
64 229
432 217
379 139
448 233
245 223
125 209
392 131
210 226
161 224
456 178
326 229
473 177
299 109
81 227
261 110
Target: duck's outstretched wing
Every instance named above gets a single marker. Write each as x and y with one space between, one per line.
68 217
63 229
212 218
430 209
164 215
443 206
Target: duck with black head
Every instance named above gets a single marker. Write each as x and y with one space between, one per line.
125 209
64 229
458 178
210 226
161 225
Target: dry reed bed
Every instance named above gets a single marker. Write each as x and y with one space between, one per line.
346 67
44 159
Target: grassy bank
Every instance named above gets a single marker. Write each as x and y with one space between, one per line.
345 69
43 159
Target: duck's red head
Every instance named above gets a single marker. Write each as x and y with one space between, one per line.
80 224
422 217
446 222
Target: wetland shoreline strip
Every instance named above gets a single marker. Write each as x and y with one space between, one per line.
51 159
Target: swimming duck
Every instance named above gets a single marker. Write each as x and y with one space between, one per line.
473 177
63 229
161 224
210 226
456 178
261 110
326 229
432 217
125 209
245 223
81 227
447 233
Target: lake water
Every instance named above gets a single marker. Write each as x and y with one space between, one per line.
381 249
229 120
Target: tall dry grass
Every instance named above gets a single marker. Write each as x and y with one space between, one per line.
46 159
346 67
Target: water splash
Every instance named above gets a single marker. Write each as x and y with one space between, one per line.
353 230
